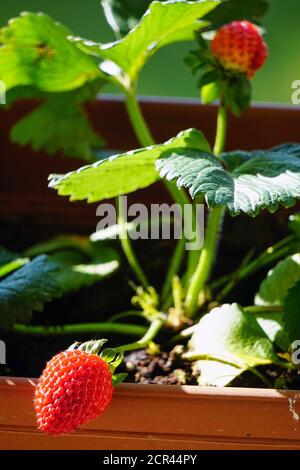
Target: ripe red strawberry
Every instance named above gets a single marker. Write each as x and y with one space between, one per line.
75 387
238 46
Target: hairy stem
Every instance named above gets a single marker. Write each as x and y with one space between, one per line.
207 256
128 248
221 131
173 267
156 325
137 120
205 263
263 309
146 139
271 255
128 313
223 360
85 328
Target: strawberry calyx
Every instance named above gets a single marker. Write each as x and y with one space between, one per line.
112 357
227 64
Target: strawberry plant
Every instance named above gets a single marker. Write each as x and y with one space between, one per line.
225 340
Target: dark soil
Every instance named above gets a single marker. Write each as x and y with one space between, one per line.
163 368
168 368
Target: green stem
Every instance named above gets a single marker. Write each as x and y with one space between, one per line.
215 219
221 131
146 139
263 309
217 358
178 195
127 247
173 267
81 329
13 266
271 255
128 313
137 120
193 255
149 336
206 260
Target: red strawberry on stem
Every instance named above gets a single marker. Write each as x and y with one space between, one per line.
239 46
75 387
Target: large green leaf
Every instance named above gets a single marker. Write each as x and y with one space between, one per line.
279 280
240 181
284 328
294 224
231 10
121 174
58 125
229 341
291 314
27 290
272 324
123 15
10 262
273 291
6 256
35 50
75 271
163 24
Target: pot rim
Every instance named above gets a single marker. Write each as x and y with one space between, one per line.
179 391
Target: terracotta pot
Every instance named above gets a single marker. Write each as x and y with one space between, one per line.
151 416
162 417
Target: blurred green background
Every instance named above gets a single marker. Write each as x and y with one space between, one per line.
166 74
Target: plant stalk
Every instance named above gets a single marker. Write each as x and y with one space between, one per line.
137 120
80 329
207 255
128 248
221 131
148 337
205 263
146 140
271 255
173 268
217 358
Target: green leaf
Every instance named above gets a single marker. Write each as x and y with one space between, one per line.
35 50
163 24
6 256
294 224
123 15
117 379
27 290
199 171
113 232
79 243
229 336
247 182
58 125
121 174
13 266
231 10
237 93
273 291
74 271
291 315
210 93
279 280
10 262
272 325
